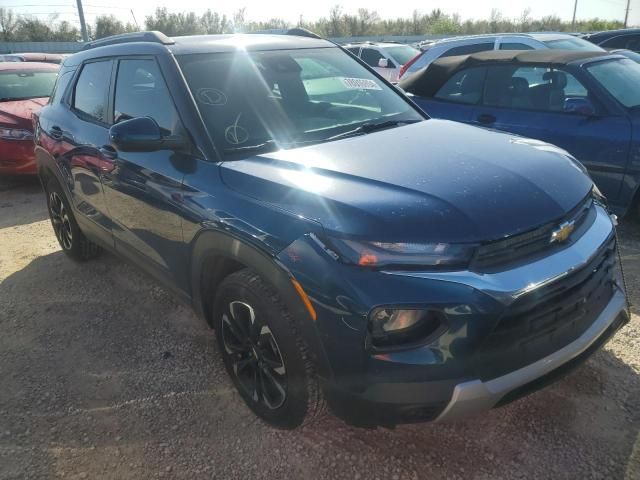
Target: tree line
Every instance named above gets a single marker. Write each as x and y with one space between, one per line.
337 23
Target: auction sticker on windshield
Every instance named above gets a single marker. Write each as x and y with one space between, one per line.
360 83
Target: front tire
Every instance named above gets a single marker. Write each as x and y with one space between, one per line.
71 239
263 354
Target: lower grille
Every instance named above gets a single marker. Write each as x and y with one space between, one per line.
548 318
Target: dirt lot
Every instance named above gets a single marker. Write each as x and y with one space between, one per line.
104 375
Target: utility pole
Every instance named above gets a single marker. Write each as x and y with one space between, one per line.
83 25
626 15
575 9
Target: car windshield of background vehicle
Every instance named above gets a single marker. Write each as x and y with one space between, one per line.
287 98
620 78
571 44
25 84
402 53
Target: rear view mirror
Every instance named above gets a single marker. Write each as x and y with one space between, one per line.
383 63
141 134
581 106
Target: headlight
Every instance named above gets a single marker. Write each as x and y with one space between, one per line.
384 254
391 327
15 134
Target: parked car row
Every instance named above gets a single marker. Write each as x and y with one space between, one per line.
348 249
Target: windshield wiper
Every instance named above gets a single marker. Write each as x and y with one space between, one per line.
259 147
372 127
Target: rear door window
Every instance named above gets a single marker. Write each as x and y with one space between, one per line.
515 46
469 49
370 56
92 89
465 86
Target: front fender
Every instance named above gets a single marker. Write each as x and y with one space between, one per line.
210 244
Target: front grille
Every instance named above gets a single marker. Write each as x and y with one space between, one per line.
550 317
524 246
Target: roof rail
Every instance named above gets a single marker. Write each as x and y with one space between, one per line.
295 31
153 36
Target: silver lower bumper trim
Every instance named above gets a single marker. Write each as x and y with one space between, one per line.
476 395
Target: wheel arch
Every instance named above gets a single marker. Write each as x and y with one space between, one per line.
215 255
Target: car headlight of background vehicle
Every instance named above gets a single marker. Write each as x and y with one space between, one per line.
15 134
398 254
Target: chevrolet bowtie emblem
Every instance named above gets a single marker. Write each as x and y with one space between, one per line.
563 232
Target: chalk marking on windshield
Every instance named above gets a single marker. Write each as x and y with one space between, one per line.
235 134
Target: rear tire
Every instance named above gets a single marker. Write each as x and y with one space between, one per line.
263 353
71 239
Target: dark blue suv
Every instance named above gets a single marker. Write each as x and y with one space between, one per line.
347 249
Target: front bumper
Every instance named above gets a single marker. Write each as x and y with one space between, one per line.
461 372
17 157
475 395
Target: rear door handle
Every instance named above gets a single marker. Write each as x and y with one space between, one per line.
486 119
109 152
56 132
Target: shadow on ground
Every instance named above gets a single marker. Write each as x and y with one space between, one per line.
21 201
104 374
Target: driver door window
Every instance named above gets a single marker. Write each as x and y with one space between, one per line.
142 92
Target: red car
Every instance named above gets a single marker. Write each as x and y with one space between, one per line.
24 88
33 57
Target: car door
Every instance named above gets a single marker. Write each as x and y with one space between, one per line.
457 98
143 191
535 101
81 131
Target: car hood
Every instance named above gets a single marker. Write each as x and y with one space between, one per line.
432 181
17 113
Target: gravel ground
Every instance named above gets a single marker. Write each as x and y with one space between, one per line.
104 375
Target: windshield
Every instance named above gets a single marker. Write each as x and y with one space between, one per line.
402 53
25 84
287 98
620 78
571 44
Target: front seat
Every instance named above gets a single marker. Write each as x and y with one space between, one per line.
557 83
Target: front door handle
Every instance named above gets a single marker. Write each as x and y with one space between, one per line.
109 152
486 118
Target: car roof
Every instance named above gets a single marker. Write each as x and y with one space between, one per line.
375 44
611 33
28 66
139 45
535 35
427 82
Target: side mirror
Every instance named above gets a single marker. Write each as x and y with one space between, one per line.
141 134
383 63
581 106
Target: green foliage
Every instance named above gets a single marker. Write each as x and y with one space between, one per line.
364 22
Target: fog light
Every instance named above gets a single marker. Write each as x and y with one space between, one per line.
395 327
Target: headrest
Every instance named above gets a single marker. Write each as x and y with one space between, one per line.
558 79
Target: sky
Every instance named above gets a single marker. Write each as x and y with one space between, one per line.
291 10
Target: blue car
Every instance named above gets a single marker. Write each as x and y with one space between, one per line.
348 250
587 103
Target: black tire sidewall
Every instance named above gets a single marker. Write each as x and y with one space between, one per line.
251 290
77 250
